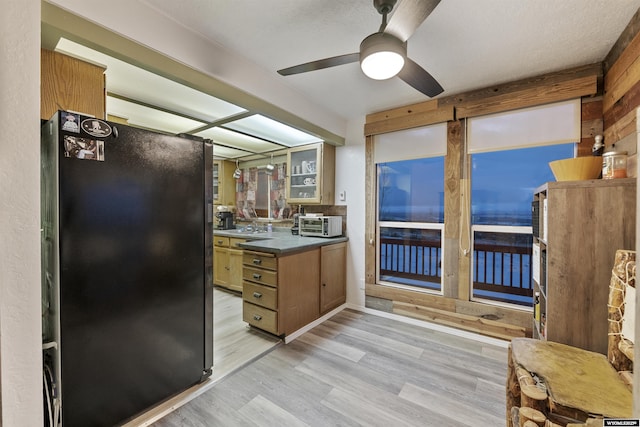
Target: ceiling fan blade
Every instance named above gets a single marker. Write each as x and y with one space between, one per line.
320 64
418 78
408 17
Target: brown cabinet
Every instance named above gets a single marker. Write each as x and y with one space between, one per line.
580 225
287 292
333 276
311 174
227 262
224 185
281 293
67 83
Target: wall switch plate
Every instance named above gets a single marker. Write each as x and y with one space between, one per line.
342 196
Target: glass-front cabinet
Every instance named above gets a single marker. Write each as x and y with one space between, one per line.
224 186
311 174
216 183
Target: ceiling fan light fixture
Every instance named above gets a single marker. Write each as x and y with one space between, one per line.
382 56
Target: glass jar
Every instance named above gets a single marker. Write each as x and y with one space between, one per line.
614 165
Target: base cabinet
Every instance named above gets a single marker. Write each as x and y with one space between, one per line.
287 292
227 263
333 289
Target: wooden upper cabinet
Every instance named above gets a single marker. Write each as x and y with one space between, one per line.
311 174
67 83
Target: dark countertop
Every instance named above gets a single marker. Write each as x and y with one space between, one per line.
279 242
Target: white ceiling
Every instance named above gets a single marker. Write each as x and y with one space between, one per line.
464 44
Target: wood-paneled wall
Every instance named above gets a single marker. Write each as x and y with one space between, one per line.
610 95
622 93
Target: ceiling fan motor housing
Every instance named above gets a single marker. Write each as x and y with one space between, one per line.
382 43
384 6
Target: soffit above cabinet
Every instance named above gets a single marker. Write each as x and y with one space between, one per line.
153 102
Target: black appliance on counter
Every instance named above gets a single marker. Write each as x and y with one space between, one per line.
295 229
127 226
225 220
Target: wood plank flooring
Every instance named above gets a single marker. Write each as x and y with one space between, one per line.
234 343
360 369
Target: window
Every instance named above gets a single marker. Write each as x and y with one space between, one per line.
410 211
502 187
410 222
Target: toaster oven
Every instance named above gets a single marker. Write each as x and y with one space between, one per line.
320 226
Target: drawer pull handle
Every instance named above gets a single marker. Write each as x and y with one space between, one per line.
257 276
220 242
257 317
257 261
257 295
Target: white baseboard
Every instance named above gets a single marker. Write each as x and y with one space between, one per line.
313 324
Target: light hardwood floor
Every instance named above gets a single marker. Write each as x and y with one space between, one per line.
234 343
360 369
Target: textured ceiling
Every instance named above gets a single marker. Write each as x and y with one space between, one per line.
464 44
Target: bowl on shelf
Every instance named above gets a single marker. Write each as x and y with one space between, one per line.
576 169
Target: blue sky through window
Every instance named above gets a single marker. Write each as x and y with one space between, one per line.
411 190
502 182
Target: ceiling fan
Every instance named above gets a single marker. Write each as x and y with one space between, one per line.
384 54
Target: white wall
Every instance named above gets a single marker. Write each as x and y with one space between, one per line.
20 326
350 177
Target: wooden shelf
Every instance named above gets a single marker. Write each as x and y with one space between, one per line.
585 223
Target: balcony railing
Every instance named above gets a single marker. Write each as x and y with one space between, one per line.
417 260
501 269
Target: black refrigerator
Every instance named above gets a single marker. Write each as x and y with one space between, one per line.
127 268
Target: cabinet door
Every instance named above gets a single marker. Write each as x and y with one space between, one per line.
305 163
311 174
235 269
221 266
216 182
333 289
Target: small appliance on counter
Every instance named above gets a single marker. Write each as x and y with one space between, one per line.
295 230
320 226
224 218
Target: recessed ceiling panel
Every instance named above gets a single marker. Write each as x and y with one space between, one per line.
274 131
127 80
228 153
141 116
239 140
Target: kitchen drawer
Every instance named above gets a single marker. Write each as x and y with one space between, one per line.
234 241
262 276
221 241
258 259
260 317
260 295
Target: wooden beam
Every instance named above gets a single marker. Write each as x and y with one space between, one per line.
515 87
370 212
403 111
457 320
453 164
410 120
530 96
411 297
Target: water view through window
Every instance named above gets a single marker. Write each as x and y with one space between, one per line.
410 219
502 184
